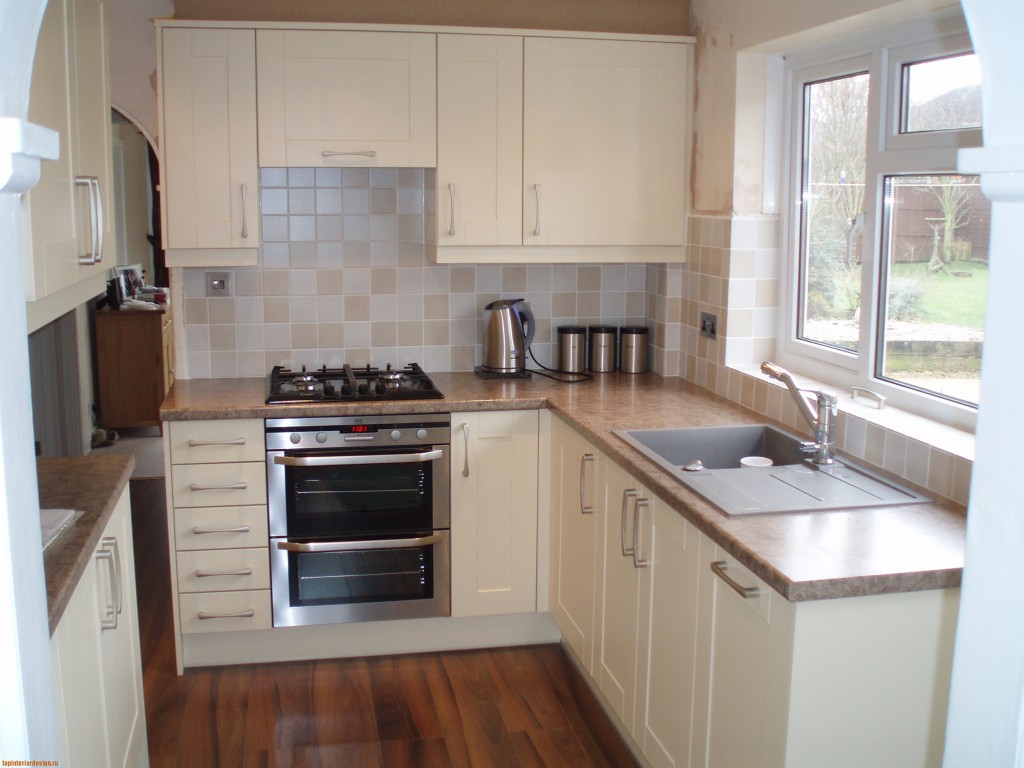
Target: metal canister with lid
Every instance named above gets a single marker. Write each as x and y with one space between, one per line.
602 348
572 348
633 348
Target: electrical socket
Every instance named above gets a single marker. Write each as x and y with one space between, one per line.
218 284
709 325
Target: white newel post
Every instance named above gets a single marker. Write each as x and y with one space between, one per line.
987 697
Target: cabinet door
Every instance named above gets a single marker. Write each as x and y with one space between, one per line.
668 635
330 98
208 144
575 528
604 157
494 512
479 140
130 368
620 599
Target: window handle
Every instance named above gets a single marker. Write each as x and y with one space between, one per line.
856 392
856 227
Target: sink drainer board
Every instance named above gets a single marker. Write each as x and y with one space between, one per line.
793 484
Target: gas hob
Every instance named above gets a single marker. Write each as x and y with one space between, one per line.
348 384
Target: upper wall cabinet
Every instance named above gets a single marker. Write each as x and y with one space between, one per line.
69 228
210 194
336 98
584 160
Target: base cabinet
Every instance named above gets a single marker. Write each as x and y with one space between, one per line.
97 661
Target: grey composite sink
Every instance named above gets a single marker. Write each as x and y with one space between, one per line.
791 484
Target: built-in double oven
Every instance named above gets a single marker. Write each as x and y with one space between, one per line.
359 518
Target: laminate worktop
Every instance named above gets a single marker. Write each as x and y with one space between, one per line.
803 556
92 484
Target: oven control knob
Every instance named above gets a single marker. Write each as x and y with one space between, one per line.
295 438
396 434
321 437
421 434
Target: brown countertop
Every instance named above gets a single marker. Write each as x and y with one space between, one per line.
92 484
803 556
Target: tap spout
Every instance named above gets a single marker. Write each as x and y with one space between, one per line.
779 373
819 418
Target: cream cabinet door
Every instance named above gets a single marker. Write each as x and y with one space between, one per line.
479 140
605 149
494 512
208 144
333 98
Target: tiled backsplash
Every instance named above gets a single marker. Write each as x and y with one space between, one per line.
343 278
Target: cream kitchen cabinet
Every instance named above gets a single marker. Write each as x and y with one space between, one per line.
69 229
604 152
494 476
329 98
96 658
210 200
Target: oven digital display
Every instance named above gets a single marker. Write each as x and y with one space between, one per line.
356 429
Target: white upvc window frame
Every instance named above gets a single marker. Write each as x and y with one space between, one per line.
882 54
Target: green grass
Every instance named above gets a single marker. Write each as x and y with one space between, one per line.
949 299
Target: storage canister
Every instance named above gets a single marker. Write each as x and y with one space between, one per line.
602 348
633 349
572 348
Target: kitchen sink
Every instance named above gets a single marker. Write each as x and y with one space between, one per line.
792 483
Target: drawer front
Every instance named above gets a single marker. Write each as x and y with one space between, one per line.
219 485
224 611
220 527
221 570
743 578
221 440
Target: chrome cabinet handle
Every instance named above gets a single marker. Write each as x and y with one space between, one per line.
363 153
247 614
536 219
108 618
110 553
347 461
245 223
200 573
233 487
200 443
354 546
585 459
638 560
240 529
99 219
720 567
86 181
111 542
451 220
465 435
629 493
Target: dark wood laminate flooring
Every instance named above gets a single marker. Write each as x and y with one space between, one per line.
506 708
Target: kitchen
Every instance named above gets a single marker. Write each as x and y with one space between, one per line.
716 186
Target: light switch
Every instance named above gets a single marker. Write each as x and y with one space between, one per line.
218 284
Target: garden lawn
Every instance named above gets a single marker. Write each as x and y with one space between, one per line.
949 299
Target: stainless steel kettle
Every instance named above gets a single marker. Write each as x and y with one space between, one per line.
508 331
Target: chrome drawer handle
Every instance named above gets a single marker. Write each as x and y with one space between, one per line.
240 572
585 508
347 461
240 529
627 494
247 614
333 153
720 567
200 443
352 546
233 487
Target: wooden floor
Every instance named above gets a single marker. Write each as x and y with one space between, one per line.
513 707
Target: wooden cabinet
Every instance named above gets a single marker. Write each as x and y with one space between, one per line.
96 658
337 98
217 527
210 200
134 366
70 217
494 475
580 144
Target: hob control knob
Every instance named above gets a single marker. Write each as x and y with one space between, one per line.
295 438
321 437
421 434
380 388
396 434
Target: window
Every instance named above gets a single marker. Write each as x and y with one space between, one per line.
888 243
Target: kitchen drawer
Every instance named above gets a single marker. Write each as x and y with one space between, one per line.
219 485
217 441
224 611
220 527
743 577
223 569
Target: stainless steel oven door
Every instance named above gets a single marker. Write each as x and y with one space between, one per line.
332 582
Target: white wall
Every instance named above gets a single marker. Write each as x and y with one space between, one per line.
133 59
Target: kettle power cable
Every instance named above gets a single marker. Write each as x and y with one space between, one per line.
578 377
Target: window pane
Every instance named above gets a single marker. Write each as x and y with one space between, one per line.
834 145
942 94
936 261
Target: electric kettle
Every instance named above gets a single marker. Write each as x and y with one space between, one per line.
508 331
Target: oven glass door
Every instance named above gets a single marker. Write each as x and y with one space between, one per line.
367 493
